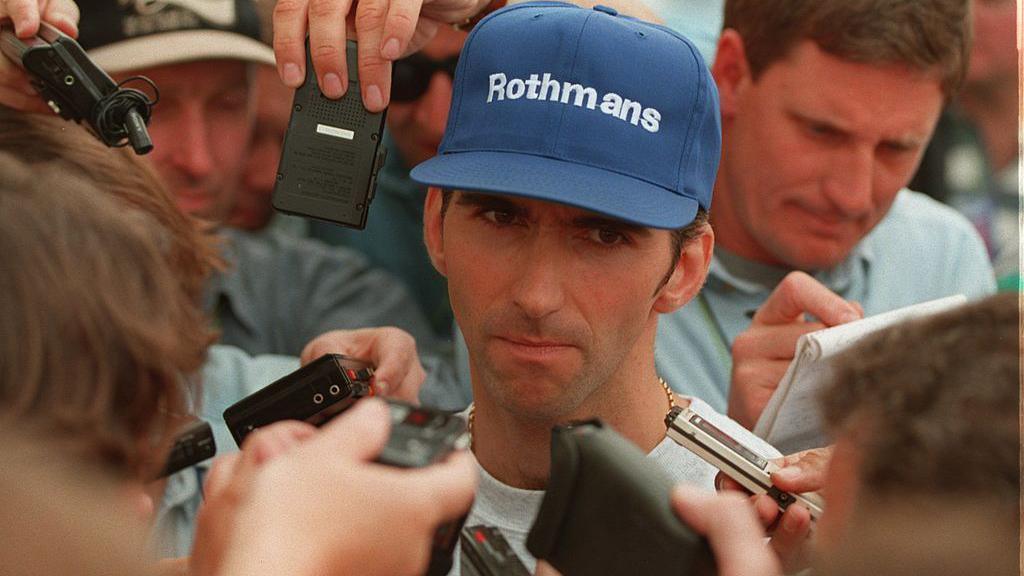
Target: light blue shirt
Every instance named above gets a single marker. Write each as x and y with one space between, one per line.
698 20
920 251
228 376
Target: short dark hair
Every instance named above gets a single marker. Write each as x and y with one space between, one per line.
932 405
680 236
927 35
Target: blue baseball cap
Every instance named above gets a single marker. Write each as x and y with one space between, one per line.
582 107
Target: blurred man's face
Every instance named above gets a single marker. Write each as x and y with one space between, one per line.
814 152
252 209
200 131
994 54
418 125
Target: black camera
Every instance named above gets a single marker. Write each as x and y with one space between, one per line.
607 510
76 89
314 393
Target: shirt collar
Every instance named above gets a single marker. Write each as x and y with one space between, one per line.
226 289
733 272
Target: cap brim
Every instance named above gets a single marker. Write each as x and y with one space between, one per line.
609 193
180 46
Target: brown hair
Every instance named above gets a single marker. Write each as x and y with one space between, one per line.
927 35
97 332
932 405
192 250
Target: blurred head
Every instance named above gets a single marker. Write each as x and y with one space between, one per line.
98 333
928 409
189 246
815 147
252 209
421 96
198 54
994 54
62 515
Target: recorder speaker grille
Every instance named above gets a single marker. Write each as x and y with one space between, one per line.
349 114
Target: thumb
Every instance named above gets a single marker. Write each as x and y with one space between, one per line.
358 434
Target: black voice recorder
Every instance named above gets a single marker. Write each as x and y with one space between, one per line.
331 154
331 384
607 510
77 89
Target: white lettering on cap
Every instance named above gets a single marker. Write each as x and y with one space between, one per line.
545 88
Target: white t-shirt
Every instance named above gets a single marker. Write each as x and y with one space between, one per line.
512 510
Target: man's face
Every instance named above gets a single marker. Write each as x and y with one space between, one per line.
252 209
418 126
994 54
200 131
814 152
552 300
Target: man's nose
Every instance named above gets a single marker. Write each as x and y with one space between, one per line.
192 152
850 183
538 289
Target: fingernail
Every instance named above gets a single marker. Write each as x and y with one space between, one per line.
374 100
332 86
790 523
788 473
392 49
380 387
292 75
849 317
31 91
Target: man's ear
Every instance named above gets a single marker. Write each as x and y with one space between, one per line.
433 228
688 276
731 71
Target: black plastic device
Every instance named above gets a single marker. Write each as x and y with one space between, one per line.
314 393
331 154
193 445
330 385
77 89
421 437
486 552
607 511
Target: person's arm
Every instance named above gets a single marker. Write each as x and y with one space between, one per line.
15 90
385 30
763 351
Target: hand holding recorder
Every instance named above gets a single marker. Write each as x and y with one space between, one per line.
285 520
25 15
76 89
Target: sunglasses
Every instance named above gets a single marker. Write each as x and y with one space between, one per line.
411 76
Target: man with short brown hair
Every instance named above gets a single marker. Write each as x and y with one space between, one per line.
826 108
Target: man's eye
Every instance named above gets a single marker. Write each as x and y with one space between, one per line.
607 237
501 217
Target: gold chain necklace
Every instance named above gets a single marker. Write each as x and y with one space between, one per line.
472 409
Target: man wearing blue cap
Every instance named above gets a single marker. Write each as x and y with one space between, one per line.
568 210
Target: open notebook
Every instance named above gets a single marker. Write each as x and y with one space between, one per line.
791 421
